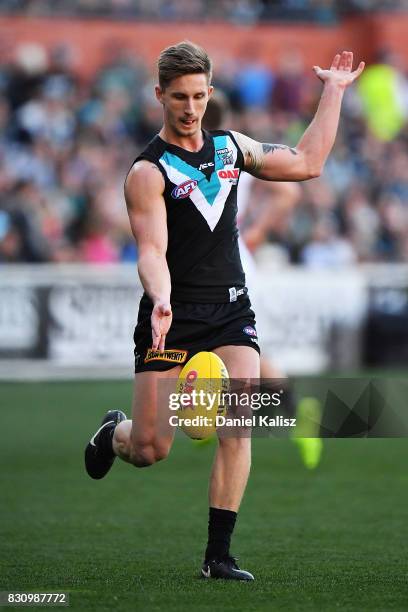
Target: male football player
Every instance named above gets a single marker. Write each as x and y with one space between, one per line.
181 199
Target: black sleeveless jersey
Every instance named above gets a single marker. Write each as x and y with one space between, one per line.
201 203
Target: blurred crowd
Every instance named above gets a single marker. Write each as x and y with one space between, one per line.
238 11
66 145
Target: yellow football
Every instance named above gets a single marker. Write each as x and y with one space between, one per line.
200 387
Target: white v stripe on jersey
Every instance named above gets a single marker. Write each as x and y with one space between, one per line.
92 440
211 213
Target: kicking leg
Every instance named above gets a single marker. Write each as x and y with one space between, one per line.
146 438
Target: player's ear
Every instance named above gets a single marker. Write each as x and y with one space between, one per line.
159 93
210 90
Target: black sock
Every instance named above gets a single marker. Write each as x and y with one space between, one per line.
220 527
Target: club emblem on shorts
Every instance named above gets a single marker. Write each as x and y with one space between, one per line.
172 355
250 331
226 155
184 189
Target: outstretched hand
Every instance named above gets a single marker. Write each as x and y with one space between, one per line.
161 320
340 71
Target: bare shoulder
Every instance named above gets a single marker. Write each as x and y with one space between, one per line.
251 150
272 162
143 180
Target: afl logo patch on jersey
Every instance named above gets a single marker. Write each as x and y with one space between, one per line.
184 189
250 331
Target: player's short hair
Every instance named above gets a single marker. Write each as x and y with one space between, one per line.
183 58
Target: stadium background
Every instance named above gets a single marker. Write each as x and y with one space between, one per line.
76 105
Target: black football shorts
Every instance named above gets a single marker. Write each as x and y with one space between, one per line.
195 328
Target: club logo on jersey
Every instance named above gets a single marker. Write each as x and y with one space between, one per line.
226 156
232 175
250 331
184 189
172 355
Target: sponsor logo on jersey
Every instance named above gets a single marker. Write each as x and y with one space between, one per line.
226 156
206 165
172 355
184 189
250 331
232 175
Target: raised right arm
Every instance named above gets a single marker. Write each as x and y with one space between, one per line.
276 162
144 189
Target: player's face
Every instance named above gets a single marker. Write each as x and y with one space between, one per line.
184 102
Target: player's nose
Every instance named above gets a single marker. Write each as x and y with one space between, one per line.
189 107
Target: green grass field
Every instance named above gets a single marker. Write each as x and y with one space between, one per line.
334 539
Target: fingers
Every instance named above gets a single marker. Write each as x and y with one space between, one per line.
343 61
341 70
162 342
346 61
158 342
354 75
155 342
156 332
359 70
156 336
160 321
335 62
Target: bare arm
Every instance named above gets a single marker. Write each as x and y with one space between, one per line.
144 188
275 162
270 211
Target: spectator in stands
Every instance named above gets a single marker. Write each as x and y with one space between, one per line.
256 80
327 249
66 146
